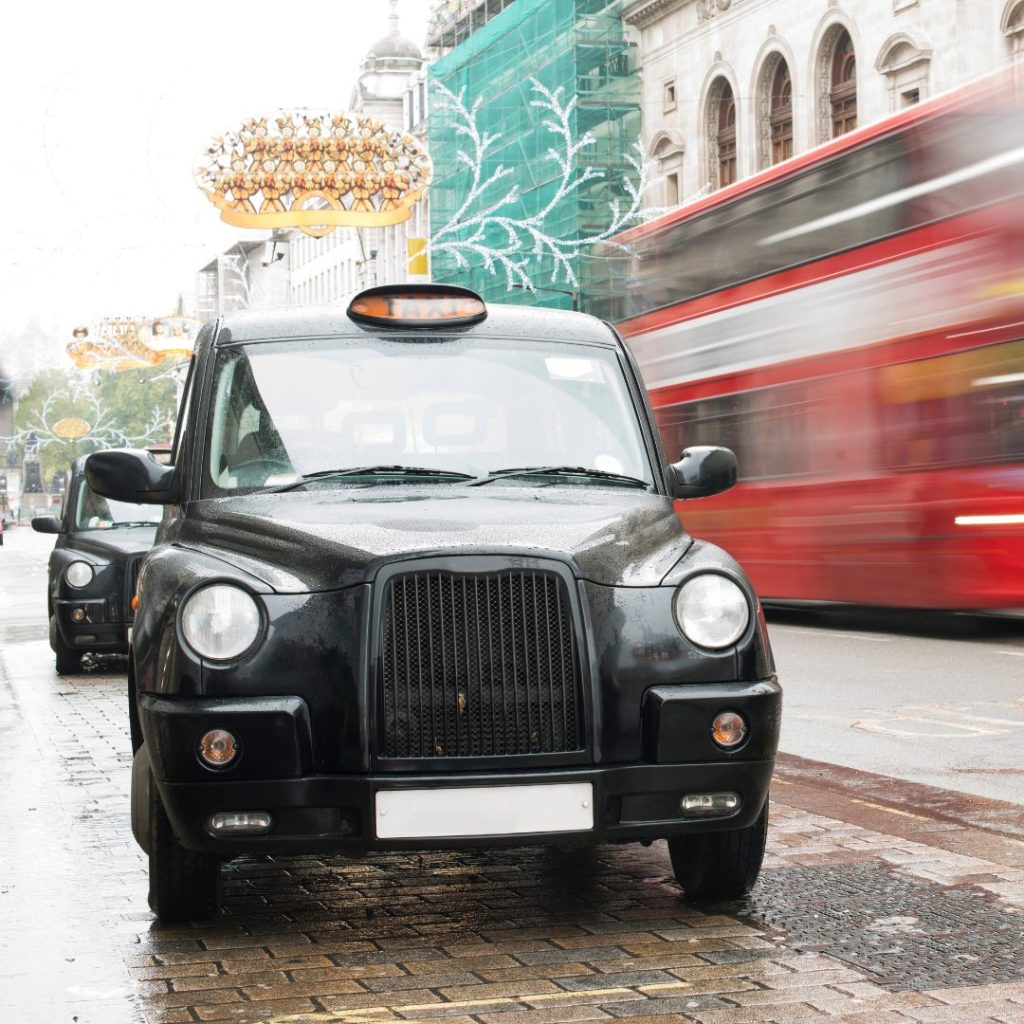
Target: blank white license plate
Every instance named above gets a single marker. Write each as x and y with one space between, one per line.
484 811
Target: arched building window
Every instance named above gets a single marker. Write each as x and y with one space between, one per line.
773 91
726 138
905 63
780 113
668 149
843 94
1012 26
720 129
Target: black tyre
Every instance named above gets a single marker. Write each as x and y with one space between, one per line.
133 710
183 885
68 660
719 866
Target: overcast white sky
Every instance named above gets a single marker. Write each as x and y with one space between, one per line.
105 107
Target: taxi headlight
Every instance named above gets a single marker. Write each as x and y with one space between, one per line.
78 574
220 621
711 610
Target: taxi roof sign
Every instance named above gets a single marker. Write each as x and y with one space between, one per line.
417 305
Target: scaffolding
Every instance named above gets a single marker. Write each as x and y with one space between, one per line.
580 46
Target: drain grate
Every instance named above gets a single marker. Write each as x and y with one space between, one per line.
904 932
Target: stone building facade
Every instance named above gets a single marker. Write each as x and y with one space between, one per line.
733 86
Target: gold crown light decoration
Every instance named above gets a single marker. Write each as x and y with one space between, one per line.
132 343
315 172
172 337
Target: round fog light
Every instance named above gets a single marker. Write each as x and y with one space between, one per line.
78 615
218 748
728 729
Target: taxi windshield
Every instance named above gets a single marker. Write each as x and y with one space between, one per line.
444 409
95 513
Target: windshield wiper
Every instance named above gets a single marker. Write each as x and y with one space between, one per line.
140 522
327 474
597 474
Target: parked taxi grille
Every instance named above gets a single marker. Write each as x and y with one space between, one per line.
479 665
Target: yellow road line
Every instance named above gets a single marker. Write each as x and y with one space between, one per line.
554 997
891 810
374 1014
663 986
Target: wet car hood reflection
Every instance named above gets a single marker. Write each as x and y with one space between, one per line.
112 542
324 540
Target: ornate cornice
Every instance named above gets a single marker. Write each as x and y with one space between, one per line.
899 52
646 12
708 9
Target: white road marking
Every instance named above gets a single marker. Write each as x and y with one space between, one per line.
961 714
829 632
887 728
926 721
1012 654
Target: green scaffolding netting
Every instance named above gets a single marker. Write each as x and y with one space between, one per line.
580 47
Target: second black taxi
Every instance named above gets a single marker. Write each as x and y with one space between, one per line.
92 569
420 583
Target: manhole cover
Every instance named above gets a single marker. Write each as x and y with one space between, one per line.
905 932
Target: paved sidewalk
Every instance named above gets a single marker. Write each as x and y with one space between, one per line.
880 903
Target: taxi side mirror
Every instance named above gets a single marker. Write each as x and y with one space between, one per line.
130 474
702 471
47 524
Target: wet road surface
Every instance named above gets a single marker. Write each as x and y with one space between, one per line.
880 902
932 699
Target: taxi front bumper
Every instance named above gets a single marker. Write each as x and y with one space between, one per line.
314 811
339 813
85 624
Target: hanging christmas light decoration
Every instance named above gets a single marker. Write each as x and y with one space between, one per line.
112 344
71 428
314 172
172 337
133 343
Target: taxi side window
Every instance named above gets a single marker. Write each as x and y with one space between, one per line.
246 448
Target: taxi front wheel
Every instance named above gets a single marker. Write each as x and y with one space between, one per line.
719 866
68 660
183 885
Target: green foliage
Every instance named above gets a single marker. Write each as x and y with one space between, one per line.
133 396
133 407
48 397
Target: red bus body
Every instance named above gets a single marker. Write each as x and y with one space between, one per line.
851 323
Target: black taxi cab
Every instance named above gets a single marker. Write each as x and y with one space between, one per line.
420 583
91 570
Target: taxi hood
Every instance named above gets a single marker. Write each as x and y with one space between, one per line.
114 543
306 541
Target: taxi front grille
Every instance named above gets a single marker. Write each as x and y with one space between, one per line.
479 665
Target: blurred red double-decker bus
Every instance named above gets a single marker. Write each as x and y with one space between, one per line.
851 323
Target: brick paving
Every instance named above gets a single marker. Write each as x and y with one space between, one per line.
870 909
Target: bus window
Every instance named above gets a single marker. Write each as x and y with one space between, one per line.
966 161
955 410
815 214
834 207
769 429
713 421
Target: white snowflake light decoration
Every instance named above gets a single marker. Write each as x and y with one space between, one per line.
487 212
